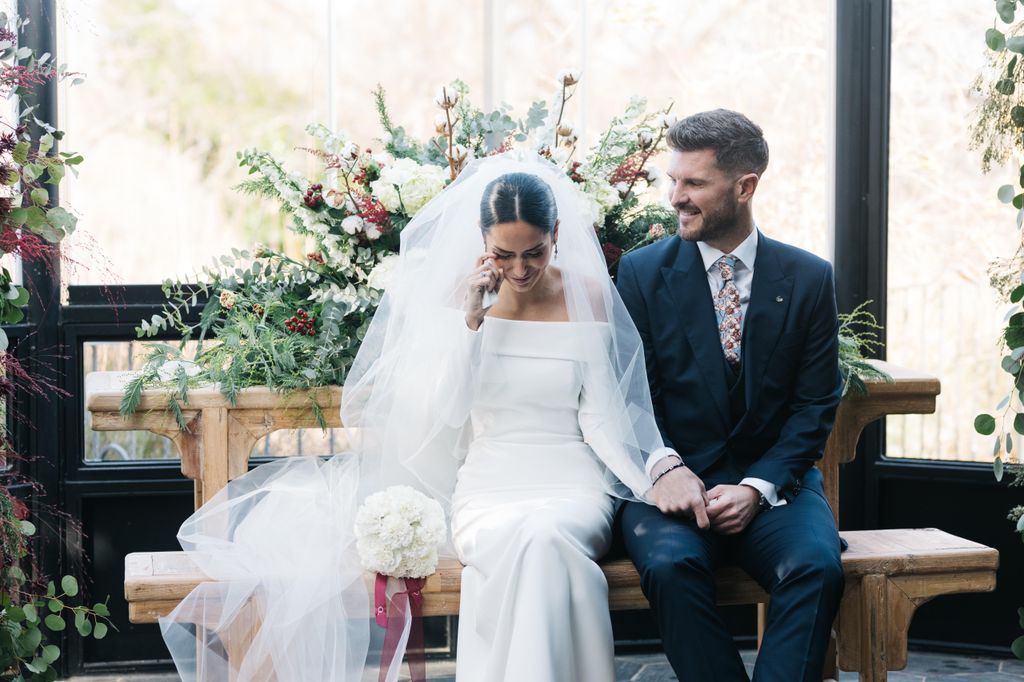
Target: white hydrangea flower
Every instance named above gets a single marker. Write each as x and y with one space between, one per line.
398 531
382 275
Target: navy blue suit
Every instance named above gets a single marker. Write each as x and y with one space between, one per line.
769 421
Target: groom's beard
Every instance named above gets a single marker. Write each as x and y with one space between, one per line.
715 224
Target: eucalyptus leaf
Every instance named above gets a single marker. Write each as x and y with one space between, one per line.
1005 10
995 39
997 468
1006 193
28 528
51 652
985 424
100 631
69 585
55 623
1018 647
1005 86
85 629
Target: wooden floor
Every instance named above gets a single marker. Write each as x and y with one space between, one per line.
922 667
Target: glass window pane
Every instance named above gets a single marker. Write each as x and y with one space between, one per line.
771 61
174 88
945 226
120 446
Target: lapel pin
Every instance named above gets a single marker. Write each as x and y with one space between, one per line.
778 299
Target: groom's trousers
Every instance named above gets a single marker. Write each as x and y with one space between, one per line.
792 551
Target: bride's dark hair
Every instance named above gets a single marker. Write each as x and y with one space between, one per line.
517 197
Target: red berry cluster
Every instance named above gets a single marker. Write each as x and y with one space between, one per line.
314 196
301 323
574 174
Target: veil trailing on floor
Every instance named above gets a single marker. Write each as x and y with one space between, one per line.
288 599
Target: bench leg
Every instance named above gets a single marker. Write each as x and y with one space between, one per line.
874 654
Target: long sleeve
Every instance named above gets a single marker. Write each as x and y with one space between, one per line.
815 397
615 430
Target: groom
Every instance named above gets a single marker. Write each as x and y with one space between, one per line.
740 334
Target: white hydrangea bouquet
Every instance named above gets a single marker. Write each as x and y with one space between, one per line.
294 321
398 531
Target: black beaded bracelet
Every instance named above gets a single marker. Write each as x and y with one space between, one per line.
677 465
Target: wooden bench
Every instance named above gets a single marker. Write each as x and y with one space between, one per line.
888 572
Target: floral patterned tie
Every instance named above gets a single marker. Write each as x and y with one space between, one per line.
727 309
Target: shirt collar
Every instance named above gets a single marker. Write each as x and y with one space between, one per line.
745 253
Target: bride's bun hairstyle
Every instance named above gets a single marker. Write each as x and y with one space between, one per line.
516 197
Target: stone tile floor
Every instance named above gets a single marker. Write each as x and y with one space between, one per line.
922 667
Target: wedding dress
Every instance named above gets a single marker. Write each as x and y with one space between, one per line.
523 431
531 515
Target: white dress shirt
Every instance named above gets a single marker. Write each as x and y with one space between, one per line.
743 277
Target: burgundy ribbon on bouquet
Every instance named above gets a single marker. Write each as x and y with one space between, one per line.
394 622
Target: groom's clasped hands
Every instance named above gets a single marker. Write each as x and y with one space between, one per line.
725 509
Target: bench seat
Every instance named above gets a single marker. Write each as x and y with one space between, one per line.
888 574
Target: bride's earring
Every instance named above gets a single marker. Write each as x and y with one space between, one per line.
556 249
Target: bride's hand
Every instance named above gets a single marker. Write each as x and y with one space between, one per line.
487 277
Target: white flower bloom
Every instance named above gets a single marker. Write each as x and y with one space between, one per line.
622 188
568 77
441 124
383 274
350 151
353 224
645 139
666 120
566 130
373 231
654 176
447 97
398 531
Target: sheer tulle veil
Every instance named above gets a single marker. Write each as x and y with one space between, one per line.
286 584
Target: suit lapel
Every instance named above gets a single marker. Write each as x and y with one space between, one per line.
770 295
688 283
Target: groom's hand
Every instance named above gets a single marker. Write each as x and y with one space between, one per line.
732 507
681 491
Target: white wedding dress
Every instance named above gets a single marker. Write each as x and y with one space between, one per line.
530 513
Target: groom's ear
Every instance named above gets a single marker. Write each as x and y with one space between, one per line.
747 185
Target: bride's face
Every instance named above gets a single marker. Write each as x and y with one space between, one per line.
523 252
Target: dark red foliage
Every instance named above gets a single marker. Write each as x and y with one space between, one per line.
629 170
20 76
612 253
25 244
372 211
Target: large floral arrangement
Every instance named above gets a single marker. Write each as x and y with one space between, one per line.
296 322
34 610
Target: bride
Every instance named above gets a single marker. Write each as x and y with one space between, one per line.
509 386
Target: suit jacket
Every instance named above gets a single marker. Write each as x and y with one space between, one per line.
790 353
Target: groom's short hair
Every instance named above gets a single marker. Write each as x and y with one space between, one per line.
738 142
